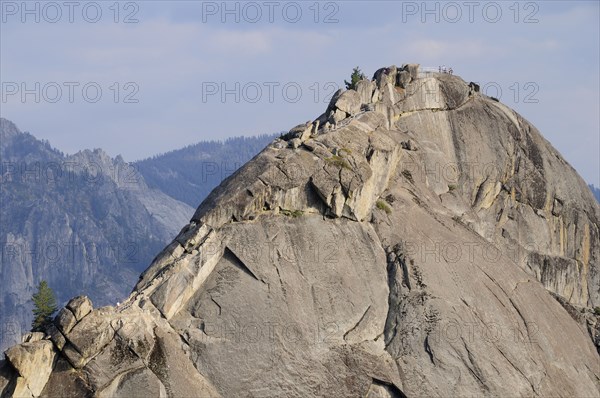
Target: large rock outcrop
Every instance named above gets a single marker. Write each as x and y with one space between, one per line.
417 239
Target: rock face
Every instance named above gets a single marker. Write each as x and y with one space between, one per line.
34 362
429 242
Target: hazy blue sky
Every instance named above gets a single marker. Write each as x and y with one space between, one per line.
158 65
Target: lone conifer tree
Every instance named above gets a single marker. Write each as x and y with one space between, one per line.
356 76
44 305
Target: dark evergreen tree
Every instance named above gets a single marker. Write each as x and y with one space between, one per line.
44 305
355 77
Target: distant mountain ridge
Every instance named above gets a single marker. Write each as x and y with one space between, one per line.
89 223
86 223
190 173
595 191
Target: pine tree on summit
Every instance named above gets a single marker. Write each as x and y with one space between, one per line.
44 305
356 76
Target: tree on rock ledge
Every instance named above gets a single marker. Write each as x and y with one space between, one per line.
356 76
44 305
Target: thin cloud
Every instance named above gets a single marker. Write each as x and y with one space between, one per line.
233 42
439 49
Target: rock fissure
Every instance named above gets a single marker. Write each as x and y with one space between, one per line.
357 323
533 389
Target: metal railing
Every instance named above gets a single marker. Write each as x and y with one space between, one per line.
428 71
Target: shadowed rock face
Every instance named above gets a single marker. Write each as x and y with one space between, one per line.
417 239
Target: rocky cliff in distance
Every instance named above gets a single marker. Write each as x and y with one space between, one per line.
417 239
86 223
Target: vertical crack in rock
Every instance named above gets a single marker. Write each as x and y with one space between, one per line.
217 304
473 367
428 349
357 323
391 323
522 318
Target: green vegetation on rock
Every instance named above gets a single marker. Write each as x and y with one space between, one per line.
44 305
355 77
339 162
292 213
382 205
